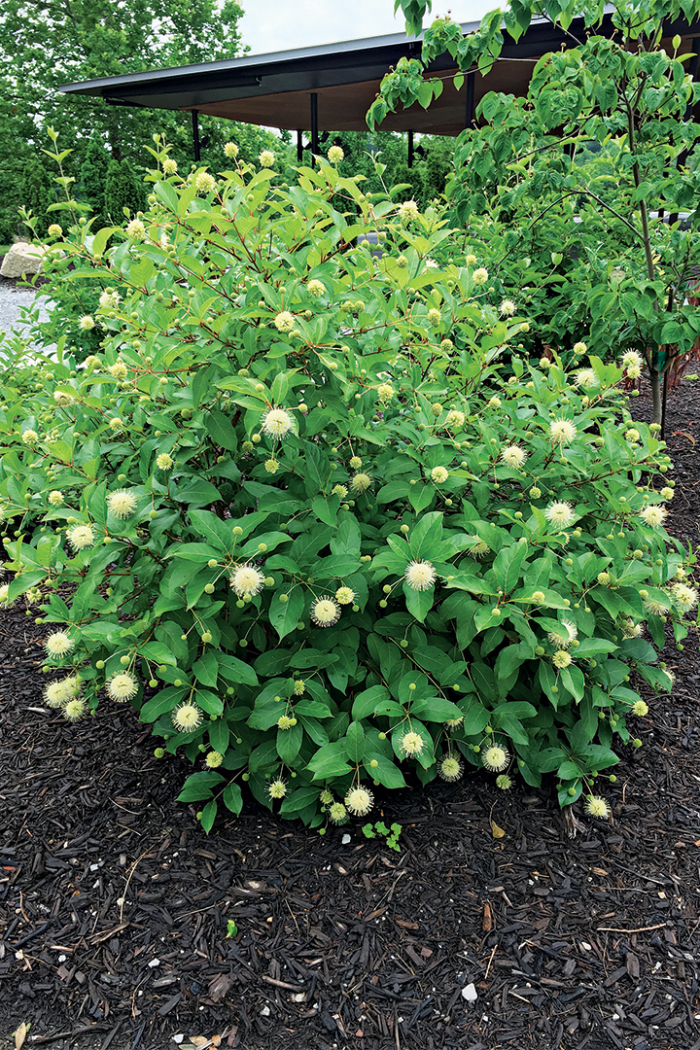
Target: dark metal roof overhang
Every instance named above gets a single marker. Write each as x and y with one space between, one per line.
274 90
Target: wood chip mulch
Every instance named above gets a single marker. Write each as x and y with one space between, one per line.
114 905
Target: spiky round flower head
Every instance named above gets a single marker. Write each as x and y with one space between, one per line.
30 437
118 370
122 504
110 299
586 378
360 482
213 759
56 498
630 629
169 166
205 183
632 359
316 288
432 264
277 788
580 349
434 316
494 402
62 398
230 150
562 431
479 548
164 461
187 716
535 493
266 158
604 579
116 424
514 456
359 801
338 813
385 392
335 154
653 515
632 435
564 636
470 260
411 743
55 230
326 797
284 321
277 423
538 597
420 575
339 490
58 643
136 230
345 596
454 419
666 492
640 709
595 806
450 768
271 466
562 659
285 722
686 598
408 211
299 687
560 514
437 409
122 687
634 372
655 608
74 710
325 612
5 602
507 308
480 276
495 758
439 475
503 782
246 579
446 345
58 693
454 723
86 323
355 462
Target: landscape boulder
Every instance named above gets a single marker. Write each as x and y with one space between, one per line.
22 259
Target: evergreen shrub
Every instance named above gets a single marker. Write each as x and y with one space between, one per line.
313 516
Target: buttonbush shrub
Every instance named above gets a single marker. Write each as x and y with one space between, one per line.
314 517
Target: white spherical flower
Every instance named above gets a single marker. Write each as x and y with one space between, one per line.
634 372
385 392
325 612
514 456
632 359
630 629
118 370
272 466
632 435
360 482
266 158
481 276
686 598
246 580
653 515
205 183
432 264
507 308
276 423
86 323
359 801
55 230
30 437
74 710
562 659
595 806
59 643
109 299
439 475
58 693
187 717
339 490
656 608
564 636
412 743
494 402
230 150
560 514
478 548
408 211
63 399
136 230
164 461
495 758
355 462
122 687
586 378
116 424
284 322
316 288
56 498
666 493
335 154
420 575
277 788
580 349
434 316
213 759
450 768
81 536
562 431
345 596
454 419
121 504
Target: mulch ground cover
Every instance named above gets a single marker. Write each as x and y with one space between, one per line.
561 934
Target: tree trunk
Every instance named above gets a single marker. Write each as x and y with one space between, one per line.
655 377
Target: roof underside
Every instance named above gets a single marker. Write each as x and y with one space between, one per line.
275 90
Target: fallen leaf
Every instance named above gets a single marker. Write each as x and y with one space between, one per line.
487 921
497 832
21 1035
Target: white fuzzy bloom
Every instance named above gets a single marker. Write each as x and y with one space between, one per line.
420 575
514 456
653 515
247 580
276 423
560 514
562 431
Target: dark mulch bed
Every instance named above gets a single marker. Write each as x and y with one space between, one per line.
114 904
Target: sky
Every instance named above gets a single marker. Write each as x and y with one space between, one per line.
282 25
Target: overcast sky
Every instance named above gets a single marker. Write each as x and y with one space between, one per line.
282 25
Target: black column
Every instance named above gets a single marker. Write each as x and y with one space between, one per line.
410 149
469 107
314 123
195 134
300 147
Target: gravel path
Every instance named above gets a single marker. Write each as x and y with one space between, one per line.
13 301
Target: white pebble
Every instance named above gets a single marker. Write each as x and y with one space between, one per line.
469 993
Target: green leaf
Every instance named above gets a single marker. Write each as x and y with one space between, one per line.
330 761
206 669
232 798
366 702
355 741
284 615
199 786
209 815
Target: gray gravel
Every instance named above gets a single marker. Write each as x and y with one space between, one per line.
12 302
